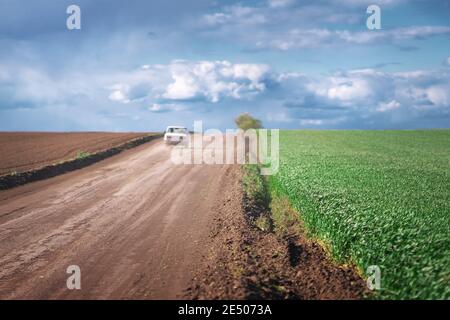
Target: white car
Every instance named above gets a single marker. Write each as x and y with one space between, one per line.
175 134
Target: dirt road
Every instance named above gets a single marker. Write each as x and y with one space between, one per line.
136 225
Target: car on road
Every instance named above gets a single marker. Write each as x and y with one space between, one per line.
175 134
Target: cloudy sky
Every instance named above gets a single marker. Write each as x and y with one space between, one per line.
142 65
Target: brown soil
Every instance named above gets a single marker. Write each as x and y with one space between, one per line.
22 151
244 262
13 180
136 224
140 227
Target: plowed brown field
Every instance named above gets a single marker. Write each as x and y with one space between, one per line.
22 151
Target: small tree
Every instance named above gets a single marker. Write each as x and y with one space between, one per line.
245 121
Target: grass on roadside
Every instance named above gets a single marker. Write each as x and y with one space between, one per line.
285 219
257 197
83 154
275 211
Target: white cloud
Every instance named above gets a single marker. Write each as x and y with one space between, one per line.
279 117
288 24
24 87
119 94
412 75
314 122
365 94
182 80
318 100
388 106
439 95
343 88
397 34
280 3
268 23
236 14
158 108
365 3
316 37
183 86
321 122
214 80
216 18
172 87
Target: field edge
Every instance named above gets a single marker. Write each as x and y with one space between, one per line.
249 259
13 180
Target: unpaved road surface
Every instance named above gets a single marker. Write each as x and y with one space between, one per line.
136 224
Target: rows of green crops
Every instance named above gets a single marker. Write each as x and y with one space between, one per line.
376 198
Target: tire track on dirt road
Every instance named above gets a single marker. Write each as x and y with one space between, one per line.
136 224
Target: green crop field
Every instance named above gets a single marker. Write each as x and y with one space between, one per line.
375 198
